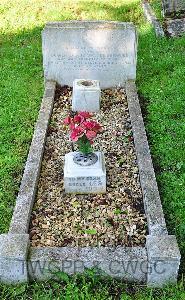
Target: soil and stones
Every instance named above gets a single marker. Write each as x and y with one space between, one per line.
112 219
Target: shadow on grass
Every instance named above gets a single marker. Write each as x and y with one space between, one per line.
128 12
21 87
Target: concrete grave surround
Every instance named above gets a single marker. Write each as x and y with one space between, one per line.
100 50
83 180
86 95
151 17
175 27
173 6
156 264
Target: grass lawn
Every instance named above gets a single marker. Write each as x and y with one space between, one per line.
157 8
161 86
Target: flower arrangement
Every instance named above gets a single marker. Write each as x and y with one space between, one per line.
83 130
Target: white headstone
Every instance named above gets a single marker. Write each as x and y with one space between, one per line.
100 50
84 179
86 95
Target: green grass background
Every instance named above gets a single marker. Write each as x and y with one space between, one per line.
161 86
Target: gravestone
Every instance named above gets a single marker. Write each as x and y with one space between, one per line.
173 6
99 50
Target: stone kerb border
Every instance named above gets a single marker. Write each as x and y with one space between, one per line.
120 262
151 198
150 16
156 264
25 199
162 249
14 245
173 27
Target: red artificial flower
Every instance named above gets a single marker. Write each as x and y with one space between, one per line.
67 120
97 127
76 133
88 124
80 126
85 114
90 134
72 126
92 125
78 119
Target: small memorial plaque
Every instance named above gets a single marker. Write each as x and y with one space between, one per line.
84 179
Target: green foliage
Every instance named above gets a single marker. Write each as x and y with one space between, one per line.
91 231
118 211
89 286
157 8
84 145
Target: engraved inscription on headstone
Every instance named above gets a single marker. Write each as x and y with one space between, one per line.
89 183
173 6
100 50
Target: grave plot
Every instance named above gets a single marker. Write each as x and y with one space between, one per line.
55 231
173 24
174 13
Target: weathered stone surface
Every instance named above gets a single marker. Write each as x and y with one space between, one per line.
173 6
13 258
164 260
151 197
121 262
86 95
100 50
21 216
175 27
84 179
150 16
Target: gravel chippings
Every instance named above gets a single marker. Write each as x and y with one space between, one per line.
115 218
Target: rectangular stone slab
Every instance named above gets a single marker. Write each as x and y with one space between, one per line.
13 256
101 50
173 6
120 262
